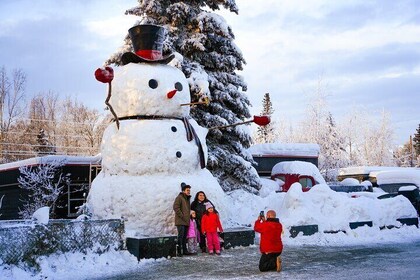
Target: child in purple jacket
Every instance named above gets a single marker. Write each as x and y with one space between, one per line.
193 235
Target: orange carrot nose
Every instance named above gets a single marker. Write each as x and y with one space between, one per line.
171 93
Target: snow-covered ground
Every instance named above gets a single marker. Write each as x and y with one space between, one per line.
112 264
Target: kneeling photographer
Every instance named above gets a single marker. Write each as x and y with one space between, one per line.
271 245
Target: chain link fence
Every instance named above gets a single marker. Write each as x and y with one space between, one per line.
24 241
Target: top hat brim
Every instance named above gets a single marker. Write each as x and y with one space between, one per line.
130 57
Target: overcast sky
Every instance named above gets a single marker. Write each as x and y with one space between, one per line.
367 53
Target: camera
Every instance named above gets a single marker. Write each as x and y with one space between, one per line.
262 214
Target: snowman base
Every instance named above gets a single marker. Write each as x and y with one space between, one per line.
146 202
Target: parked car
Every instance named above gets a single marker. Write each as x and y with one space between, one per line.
404 182
289 172
308 175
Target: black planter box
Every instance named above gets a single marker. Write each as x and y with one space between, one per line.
154 247
307 230
163 247
238 237
354 225
409 221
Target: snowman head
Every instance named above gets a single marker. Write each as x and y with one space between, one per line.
151 90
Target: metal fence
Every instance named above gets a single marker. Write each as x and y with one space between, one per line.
23 241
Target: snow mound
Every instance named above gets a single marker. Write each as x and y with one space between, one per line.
333 211
350 182
42 215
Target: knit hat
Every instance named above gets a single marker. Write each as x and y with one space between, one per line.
185 186
208 205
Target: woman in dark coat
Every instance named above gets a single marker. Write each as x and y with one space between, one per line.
198 206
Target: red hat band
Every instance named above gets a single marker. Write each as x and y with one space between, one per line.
150 54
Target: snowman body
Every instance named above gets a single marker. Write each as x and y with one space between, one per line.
146 160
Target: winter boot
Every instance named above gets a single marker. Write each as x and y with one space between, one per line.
178 251
278 264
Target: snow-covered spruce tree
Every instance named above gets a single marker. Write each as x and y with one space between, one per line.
416 141
266 134
333 155
44 147
210 59
44 185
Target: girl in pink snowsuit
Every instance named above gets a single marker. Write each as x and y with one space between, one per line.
210 224
193 235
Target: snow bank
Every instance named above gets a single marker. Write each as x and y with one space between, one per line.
74 266
42 215
328 209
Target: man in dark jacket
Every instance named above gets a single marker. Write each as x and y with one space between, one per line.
271 245
182 218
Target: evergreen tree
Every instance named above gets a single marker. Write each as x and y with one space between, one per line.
416 141
44 147
333 153
266 134
210 59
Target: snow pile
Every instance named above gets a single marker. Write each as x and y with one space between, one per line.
330 210
285 149
298 167
75 266
399 176
42 215
333 211
350 182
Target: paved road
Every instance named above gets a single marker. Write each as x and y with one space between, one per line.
389 261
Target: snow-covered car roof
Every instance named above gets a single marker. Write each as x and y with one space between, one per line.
367 170
399 176
298 167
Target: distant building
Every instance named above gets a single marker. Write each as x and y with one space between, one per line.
82 169
269 154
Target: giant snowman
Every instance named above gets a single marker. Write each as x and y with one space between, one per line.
154 147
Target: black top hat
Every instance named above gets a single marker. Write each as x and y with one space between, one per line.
147 42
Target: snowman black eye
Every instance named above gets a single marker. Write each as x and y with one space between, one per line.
153 83
178 86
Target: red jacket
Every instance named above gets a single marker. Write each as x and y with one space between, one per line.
210 223
270 230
